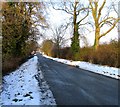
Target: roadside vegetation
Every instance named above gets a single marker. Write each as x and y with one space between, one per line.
19 32
106 54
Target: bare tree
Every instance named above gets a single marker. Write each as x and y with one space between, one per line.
79 13
99 21
59 37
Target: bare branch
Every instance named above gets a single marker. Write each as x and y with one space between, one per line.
114 24
82 9
103 21
91 5
83 18
65 9
84 24
99 14
59 34
115 8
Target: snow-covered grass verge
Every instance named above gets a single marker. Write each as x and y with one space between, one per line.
104 70
0 93
22 87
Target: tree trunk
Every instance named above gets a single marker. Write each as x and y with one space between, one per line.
97 35
75 39
96 43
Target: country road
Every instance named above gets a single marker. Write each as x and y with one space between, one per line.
74 86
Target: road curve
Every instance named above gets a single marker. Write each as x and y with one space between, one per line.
75 86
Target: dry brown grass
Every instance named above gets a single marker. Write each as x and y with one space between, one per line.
106 54
10 64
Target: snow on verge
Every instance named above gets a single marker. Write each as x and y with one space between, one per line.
22 86
104 70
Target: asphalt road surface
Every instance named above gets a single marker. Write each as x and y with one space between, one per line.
75 86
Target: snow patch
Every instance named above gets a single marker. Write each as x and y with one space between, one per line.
21 87
104 70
